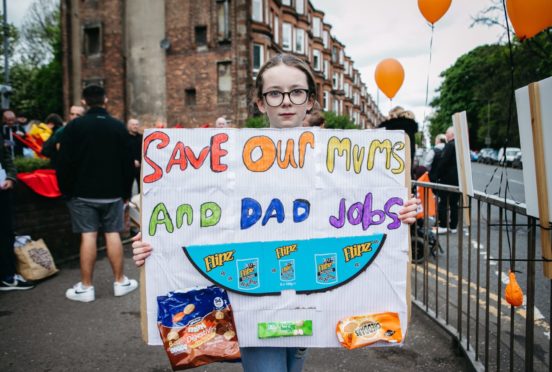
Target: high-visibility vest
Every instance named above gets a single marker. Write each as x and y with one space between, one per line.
430 204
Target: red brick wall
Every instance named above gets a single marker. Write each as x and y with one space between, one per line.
110 65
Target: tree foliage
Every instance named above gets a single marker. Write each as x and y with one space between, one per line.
334 121
480 83
36 75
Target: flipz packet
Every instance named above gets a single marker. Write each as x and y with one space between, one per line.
284 329
362 330
197 327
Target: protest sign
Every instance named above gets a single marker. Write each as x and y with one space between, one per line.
297 224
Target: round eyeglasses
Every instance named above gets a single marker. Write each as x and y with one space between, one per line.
274 98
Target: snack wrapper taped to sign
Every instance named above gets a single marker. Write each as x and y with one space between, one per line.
295 224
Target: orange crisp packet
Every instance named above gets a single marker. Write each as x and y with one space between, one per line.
363 330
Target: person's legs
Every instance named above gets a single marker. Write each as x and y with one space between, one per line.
7 256
296 359
112 222
261 359
454 199
442 208
88 253
115 254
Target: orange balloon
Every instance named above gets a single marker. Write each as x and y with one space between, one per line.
389 76
529 17
513 292
433 10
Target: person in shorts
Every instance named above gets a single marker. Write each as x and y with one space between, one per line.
95 170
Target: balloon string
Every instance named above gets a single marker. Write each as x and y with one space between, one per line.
510 106
427 81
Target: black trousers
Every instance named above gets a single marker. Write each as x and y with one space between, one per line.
7 256
453 199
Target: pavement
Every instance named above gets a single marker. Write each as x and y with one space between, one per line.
40 330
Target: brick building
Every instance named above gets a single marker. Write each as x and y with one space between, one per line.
188 62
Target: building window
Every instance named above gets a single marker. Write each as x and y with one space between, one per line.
347 90
316 27
334 54
224 70
92 40
299 41
336 106
276 29
335 80
286 2
257 14
326 39
287 38
316 58
326 69
201 35
347 66
300 6
258 57
223 20
190 97
326 101
341 57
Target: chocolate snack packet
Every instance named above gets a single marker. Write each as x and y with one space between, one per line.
197 327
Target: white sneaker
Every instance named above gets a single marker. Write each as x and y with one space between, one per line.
81 293
127 286
453 231
440 230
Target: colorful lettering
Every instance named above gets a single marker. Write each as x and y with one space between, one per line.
218 259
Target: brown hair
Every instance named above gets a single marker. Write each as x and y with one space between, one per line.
288 60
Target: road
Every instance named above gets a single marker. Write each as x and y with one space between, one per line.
495 241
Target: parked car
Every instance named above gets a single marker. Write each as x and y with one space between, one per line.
517 162
488 156
474 156
483 154
508 155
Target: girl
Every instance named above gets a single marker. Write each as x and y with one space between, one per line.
284 91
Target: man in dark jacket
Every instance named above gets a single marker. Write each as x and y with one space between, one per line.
95 170
446 172
10 127
9 280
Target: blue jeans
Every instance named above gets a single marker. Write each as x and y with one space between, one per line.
273 359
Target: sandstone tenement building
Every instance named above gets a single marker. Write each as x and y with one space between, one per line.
187 62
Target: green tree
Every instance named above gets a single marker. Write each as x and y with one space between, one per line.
334 121
37 76
13 37
480 83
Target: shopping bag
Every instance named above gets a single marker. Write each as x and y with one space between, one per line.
34 261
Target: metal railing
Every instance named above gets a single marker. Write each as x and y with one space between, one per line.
458 279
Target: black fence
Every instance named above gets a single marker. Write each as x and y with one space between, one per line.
459 276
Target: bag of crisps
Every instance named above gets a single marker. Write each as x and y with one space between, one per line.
197 327
363 330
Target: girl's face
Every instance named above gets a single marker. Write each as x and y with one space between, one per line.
293 82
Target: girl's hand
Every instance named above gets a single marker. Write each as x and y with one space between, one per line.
141 250
409 211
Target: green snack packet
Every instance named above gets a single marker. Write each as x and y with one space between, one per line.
284 329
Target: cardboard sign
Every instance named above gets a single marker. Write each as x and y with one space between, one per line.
297 224
534 120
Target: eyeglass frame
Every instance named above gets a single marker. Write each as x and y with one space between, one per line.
289 96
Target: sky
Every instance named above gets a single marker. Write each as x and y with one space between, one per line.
375 30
